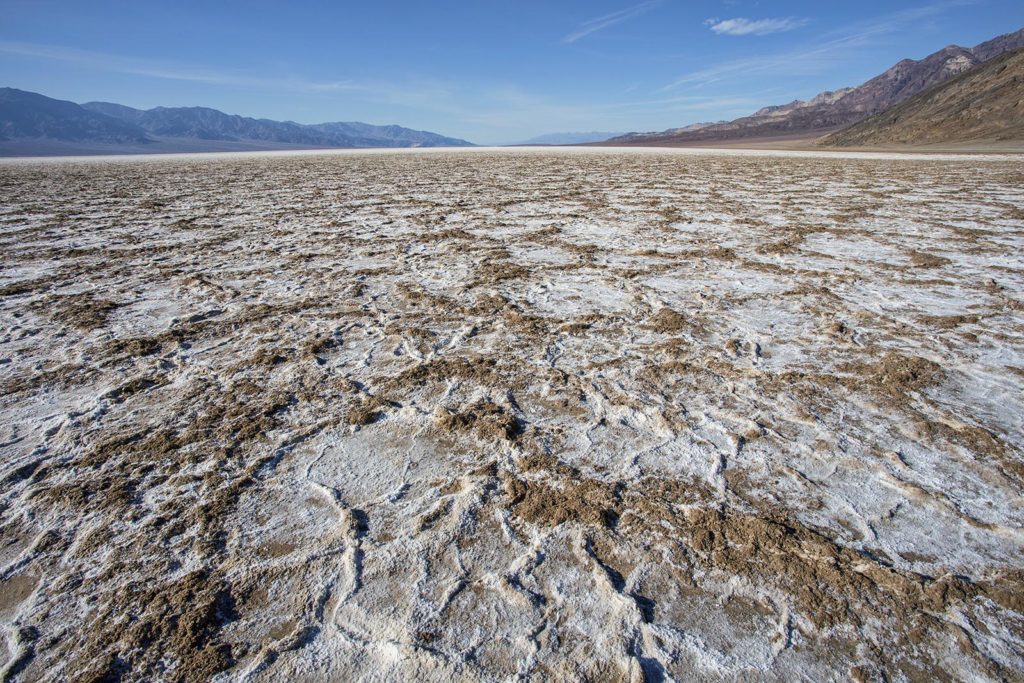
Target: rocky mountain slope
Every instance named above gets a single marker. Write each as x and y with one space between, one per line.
985 103
834 110
31 123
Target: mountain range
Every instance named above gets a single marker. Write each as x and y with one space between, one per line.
984 103
31 123
834 110
954 95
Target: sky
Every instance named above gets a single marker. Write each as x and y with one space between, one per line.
489 71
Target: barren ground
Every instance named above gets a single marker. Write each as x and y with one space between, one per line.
451 416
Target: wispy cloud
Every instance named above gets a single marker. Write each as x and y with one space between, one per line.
508 108
603 22
169 70
490 108
818 56
754 27
411 94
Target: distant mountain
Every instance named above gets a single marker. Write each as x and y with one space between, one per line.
118 111
640 137
204 123
389 136
27 115
985 103
568 138
834 110
34 124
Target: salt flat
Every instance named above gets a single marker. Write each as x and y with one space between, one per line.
491 415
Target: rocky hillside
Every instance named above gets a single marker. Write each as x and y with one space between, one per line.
985 103
834 110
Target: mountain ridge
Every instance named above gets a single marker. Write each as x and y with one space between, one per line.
26 114
830 111
34 123
984 103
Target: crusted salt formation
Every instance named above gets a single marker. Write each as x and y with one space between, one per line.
484 415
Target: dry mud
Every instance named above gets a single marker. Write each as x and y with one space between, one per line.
539 415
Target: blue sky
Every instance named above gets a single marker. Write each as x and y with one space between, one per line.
490 71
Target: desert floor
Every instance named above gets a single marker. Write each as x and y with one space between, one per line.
522 414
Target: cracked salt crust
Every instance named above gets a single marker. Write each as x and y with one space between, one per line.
531 413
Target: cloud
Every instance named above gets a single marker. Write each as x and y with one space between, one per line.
513 109
413 94
603 22
754 27
817 57
491 108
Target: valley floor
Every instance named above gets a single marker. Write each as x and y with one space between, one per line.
486 415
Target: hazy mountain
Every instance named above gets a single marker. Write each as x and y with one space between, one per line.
118 111
568 138
204 123
389 136
28 115
671 131
834 110
985 103
210 124
34 124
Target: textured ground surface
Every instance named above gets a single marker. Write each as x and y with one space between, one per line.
481 415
